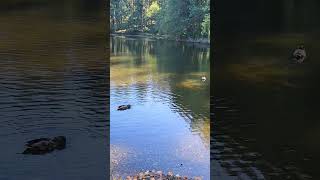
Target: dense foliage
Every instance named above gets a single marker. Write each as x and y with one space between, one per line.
176 18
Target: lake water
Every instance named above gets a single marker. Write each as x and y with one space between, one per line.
168 126
53 81
266 109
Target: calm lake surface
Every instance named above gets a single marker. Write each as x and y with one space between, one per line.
168 126
53 81
266 110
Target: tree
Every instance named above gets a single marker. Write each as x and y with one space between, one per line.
176 18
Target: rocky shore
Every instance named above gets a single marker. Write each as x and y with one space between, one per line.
156 175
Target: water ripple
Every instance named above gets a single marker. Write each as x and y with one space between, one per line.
53 82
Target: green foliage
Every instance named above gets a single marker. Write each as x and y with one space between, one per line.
153 10
177 18
152 14
205 26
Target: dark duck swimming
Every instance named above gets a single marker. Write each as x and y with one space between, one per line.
45 145
299 54
123 107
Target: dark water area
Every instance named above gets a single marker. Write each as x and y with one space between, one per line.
263 104
262 16
168 125
53 74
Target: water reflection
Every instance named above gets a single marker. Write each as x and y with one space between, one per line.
168 124
53 82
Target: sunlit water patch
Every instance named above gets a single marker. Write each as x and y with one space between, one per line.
167 127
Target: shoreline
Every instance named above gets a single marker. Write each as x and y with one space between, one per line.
153 175
202 41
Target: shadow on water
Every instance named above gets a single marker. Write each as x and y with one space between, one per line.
53 82
167 127
261 102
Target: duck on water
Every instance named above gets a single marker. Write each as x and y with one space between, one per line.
299 54
124 107
45 145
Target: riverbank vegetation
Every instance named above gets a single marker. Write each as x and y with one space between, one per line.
179 19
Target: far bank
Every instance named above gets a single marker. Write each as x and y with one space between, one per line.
202 41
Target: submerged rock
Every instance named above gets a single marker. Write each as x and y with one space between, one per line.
124 107
152 175
117 155
45 145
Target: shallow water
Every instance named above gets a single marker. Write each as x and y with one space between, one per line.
53 82
167 127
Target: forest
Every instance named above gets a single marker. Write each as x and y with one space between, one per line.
182 19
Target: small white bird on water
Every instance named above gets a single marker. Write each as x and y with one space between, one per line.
203 78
